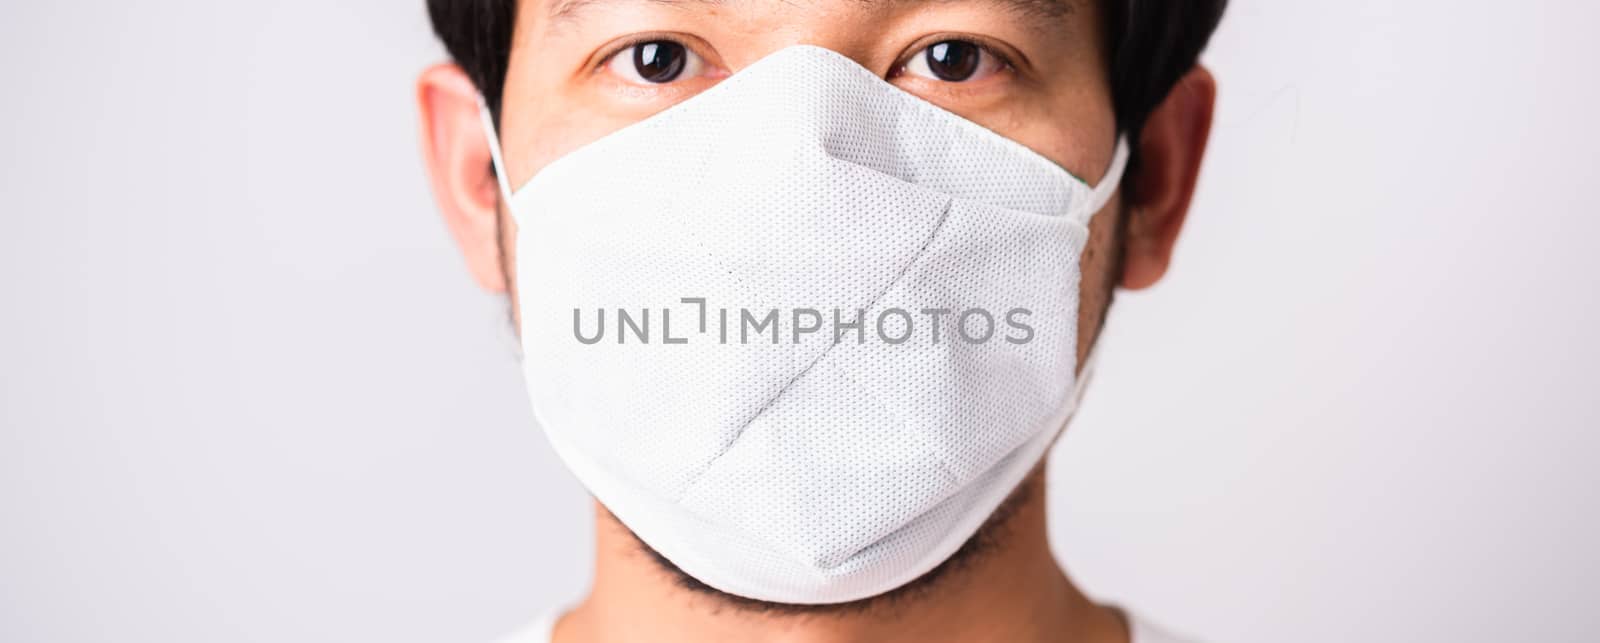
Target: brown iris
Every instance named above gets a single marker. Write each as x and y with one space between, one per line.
953 60
659 61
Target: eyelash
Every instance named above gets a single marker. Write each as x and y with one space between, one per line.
987 49
897 70
636 40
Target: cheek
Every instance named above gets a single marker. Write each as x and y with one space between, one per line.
537 133
1075 131
534 141
554 136
1098 267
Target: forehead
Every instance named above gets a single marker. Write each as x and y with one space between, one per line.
559 10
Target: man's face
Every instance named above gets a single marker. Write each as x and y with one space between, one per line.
1030 70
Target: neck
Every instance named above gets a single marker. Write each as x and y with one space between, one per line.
1013 592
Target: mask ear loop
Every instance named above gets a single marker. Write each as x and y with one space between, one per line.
494 150
511 337
1102 193
1080 384
1098 198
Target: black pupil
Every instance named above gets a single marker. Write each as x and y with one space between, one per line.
659 61
953 60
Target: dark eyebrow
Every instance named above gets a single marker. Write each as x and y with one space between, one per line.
1040 8
567 9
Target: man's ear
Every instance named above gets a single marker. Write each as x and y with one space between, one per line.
1170 150
456 150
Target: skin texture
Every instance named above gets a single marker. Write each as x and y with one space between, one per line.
1046 87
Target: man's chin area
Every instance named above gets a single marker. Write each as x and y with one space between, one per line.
990 537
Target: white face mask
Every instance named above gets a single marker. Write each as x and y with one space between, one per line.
766 444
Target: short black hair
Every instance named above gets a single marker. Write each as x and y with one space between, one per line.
1153 43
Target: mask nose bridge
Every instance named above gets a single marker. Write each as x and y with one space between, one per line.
858 53
497 151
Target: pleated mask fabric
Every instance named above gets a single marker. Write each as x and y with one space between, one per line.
730 318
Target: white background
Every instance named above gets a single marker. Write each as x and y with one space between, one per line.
248 393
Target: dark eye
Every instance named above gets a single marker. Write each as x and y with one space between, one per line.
655 62
953 61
